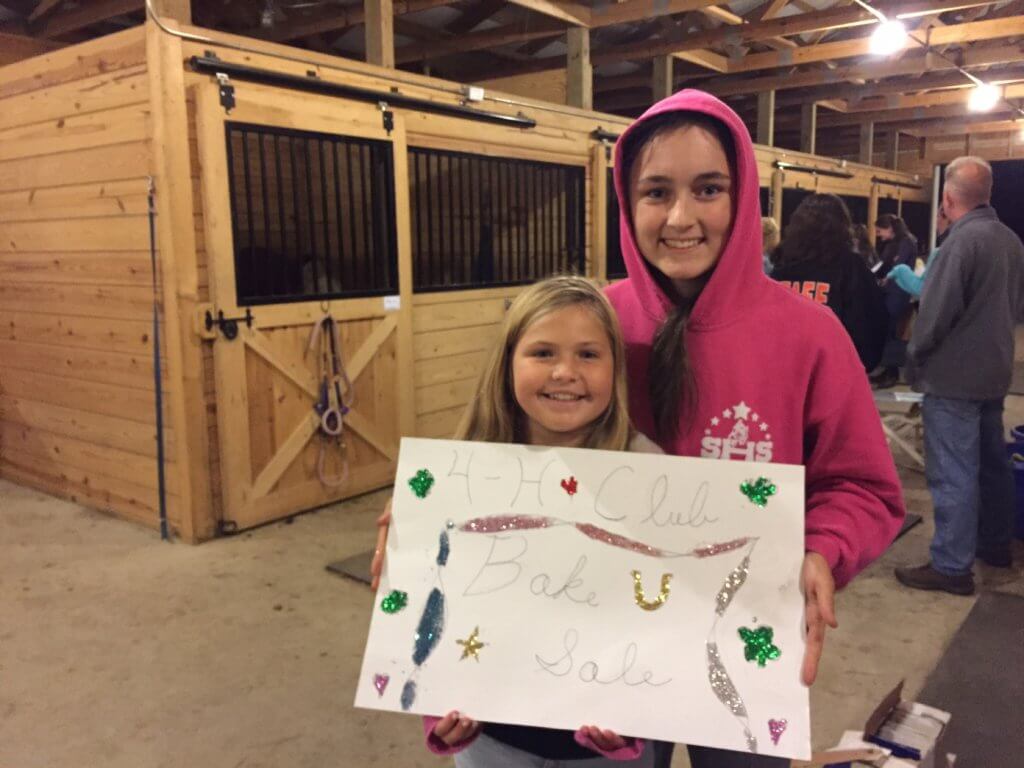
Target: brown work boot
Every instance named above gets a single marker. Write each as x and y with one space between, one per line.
926 577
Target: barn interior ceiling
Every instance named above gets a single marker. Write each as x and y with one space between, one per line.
957 66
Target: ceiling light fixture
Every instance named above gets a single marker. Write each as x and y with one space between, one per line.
889 37
983 98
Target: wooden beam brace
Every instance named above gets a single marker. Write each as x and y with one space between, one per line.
662 79
379 32
573 13
867 143
766 118
942 98
45 7
579 86
808 127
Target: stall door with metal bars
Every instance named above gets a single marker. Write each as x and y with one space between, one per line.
303 221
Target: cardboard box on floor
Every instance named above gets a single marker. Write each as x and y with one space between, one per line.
908 735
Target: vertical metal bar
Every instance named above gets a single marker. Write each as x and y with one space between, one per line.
230 133
390 221
379 217
343 281
312 220
458 258
296 201
466 207
414 216
279 188
364 199
581 223
248 216
265 272
435 280
549 252
356 278
449 241
323 207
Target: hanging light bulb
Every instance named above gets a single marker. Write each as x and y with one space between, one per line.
983 98
888 37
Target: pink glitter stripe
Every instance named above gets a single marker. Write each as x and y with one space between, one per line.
716 549
600 534
497 523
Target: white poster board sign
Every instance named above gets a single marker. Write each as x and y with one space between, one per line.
656 596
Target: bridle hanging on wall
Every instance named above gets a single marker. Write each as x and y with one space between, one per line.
336 395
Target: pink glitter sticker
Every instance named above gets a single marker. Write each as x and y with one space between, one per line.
569 486
380 682
710 550
498 523
600 534
776 728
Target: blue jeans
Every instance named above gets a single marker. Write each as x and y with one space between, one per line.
486 752
970 481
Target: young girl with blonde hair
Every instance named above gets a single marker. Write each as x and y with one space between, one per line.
556 377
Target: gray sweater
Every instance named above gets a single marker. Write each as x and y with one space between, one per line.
962 344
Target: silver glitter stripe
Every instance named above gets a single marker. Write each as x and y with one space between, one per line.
732 584
721 683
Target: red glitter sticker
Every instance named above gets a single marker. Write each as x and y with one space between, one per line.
569 486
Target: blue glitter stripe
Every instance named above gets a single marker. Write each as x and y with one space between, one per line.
442 552
408 694
431 625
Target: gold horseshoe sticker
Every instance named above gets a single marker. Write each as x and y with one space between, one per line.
638 592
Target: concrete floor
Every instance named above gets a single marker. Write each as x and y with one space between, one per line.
119 650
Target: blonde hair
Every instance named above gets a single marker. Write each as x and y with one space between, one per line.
495 416
769 234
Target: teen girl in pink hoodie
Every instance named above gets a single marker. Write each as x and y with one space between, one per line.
725 363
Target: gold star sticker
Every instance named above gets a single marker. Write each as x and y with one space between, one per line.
471 646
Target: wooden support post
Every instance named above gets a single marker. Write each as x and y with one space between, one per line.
778 177
766 118
808 127
179 10
176 247
579 91
380 34
872 213
867 143
892 149
662 82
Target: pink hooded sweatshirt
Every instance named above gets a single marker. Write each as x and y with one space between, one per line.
778 378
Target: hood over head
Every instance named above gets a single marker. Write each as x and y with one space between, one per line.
738 278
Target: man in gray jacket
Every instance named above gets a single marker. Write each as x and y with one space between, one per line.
961 357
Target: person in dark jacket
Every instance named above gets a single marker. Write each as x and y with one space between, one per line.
896 246
961 358
817 259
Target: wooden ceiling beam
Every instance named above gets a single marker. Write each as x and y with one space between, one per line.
902 116
572 13
948 128
988 29
746 33
621 13
334 20
915 64
772 8
728 17
41 10
943 98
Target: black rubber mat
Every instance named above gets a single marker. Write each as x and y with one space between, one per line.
356 567
980 681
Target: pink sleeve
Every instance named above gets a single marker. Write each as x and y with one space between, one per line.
854 500
436 745
633 749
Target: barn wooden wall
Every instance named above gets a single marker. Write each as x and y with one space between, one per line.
76 351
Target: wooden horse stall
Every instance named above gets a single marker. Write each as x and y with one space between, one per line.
476 201
77 386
